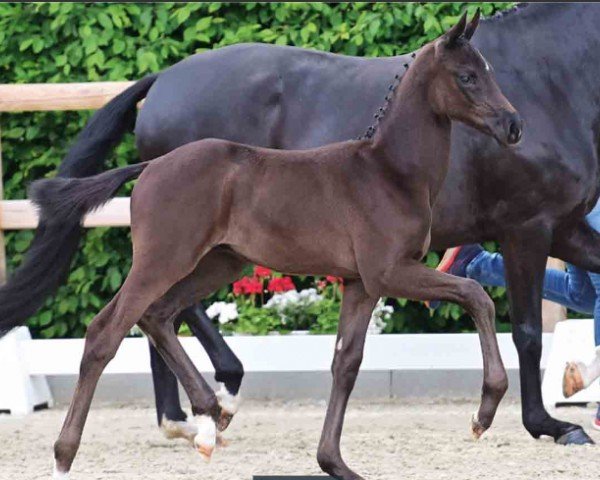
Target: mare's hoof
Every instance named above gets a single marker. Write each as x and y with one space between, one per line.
575 437
229 404
477 429
572 380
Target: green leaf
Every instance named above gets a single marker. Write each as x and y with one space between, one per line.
203 23
104 20
45 318
115 279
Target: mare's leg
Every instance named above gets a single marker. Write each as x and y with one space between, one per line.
415 281
357 307
103 337
525 256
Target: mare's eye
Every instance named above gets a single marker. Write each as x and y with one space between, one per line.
467 79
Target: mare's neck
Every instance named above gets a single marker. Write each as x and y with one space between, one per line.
411 132
553 49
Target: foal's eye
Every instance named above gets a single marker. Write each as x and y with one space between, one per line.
466 79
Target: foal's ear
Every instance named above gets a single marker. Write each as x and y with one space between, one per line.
472 26
456 31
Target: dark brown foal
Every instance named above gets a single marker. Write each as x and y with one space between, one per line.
359 209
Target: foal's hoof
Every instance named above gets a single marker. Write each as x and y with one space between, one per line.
178 429
58 475
575 437
477 429
572 380
224 420
221 442
205 452
229 404
205 440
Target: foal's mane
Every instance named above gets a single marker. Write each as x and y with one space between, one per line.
381 111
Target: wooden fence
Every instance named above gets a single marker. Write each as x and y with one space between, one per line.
20 214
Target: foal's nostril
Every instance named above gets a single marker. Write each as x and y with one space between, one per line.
514 132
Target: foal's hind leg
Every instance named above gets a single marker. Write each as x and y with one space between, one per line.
229 372
216 269
417 282
103 337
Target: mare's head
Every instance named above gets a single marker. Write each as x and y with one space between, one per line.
463 86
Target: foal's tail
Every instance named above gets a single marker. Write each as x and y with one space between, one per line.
46 264
67 200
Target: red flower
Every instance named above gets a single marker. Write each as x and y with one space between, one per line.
282 284
247 286
262 272
332 279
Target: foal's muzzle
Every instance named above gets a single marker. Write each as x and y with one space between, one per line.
511 126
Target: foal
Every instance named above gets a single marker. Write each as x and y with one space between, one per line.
359 209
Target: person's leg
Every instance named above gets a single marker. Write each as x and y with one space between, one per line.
579 375
572 288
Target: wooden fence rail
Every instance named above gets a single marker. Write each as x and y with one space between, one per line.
38 97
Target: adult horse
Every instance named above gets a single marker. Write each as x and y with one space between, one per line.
531 199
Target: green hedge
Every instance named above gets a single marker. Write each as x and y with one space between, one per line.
67 42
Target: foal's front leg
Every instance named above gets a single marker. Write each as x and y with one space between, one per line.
417 282
357 307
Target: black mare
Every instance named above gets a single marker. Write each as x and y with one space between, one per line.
532 198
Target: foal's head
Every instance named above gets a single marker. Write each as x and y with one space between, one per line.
463 86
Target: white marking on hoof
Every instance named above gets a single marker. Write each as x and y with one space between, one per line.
58 475
227 401
205 439
476 428
340 344
178 429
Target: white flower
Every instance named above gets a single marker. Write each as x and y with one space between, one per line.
293 298
292 303
225 311
381 313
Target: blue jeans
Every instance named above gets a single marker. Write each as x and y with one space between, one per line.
576 289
